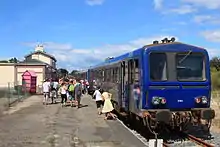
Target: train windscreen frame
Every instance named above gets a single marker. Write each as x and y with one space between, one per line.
158 66
177 66
190 66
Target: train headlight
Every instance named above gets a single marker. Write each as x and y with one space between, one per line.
158 100
204 100
155 100
198 100
201 99
163 101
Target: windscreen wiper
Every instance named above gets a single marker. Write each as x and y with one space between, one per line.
190 51
184 67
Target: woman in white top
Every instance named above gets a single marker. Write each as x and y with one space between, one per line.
98 99
63 92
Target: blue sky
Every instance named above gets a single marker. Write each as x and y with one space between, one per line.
81 33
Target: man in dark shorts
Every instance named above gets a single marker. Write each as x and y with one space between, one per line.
71 92
78 92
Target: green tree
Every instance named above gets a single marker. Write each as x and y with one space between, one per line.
13 60
215 63
3 61
215 72
62 72
73 72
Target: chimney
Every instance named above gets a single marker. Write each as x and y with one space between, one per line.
39 48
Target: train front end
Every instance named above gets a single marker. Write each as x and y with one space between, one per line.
178 85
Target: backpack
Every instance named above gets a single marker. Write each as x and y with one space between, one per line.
71 87
51 86
78 89
101 90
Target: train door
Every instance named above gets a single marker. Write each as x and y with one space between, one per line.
124 85
134 85
129 78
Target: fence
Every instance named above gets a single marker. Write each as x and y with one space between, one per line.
11 93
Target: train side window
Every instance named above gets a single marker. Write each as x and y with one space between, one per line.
133 71
103 75
111 74
107 75
115 74
130 71
100 75
111 79
136 70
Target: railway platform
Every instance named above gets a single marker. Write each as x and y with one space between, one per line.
31 124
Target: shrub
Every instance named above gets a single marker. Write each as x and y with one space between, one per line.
215 76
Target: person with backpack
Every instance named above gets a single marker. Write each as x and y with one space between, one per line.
54 91
77 92
46 91
71 92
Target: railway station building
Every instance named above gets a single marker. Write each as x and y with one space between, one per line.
42 64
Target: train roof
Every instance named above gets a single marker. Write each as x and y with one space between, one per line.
139 50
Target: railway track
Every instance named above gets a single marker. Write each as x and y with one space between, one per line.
195 140
191 138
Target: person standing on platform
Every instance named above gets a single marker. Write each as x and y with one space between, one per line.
78 92
71 92
63 92
46 91
108 107
54 90
98 99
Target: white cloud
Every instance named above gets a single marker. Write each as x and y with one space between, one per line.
181 23
184 9
191 6
94 2
81 58
168 29
213 52
77 58
213 35
210 4
206 19
158 4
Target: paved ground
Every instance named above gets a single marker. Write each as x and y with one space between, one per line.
30 124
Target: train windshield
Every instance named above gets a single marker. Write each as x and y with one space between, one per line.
158 67
190 66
